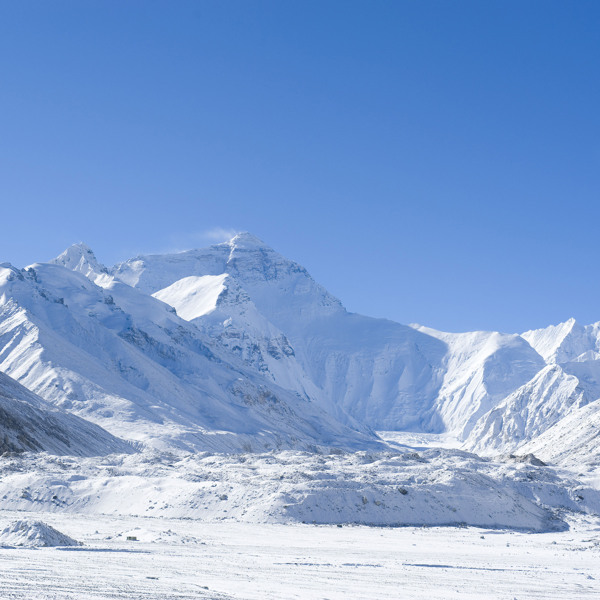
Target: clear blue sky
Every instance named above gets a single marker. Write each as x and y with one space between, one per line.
432 162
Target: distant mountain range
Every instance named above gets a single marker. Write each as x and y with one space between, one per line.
234 348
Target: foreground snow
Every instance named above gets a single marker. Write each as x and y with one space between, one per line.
166 526
186 559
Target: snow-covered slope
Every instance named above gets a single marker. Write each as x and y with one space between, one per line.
27 423
193 297
480 370
528 411
573 441
126 361
554 397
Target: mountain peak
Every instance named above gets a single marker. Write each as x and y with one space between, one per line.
562 342
80 257
246 241
572 322
75 252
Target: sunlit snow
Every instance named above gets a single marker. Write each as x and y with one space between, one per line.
192 296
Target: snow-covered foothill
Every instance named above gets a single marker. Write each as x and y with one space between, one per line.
573 441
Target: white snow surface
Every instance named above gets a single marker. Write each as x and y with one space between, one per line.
192 296
187 559
212 525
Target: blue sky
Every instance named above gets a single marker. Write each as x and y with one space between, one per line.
431 162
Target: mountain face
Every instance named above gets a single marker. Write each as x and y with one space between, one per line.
235 347
27 423
276 318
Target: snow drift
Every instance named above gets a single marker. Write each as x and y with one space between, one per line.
34 534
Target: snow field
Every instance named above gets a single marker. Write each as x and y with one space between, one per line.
184 559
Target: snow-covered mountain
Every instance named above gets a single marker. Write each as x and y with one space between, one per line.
494 391
275 317
234 346
28 423
126 361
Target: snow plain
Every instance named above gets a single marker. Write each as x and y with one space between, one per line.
185 559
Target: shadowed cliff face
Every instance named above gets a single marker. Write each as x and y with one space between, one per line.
27 423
